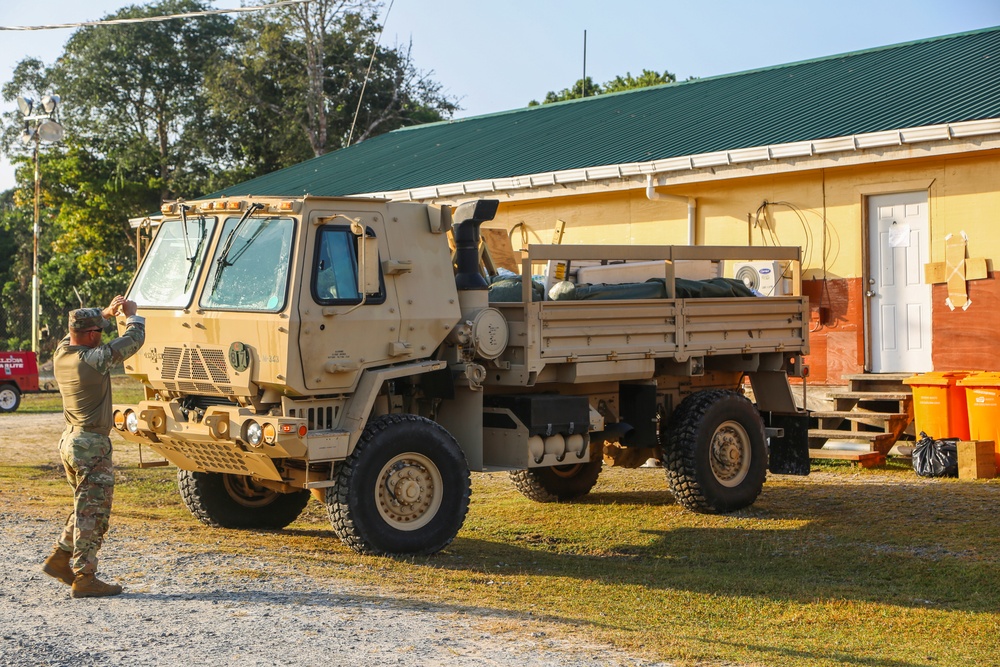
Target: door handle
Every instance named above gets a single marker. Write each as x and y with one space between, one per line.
870 294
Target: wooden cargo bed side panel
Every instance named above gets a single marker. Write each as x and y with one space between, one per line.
607 329
547 333
731 326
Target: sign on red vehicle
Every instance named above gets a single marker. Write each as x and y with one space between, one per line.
18 374
21 368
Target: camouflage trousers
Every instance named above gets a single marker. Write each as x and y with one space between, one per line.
87 459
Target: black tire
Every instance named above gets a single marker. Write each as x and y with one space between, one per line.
235 501
10 397
715 454
557 483
400 454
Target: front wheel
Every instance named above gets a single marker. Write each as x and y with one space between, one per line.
715 453
236 501
403 490
10 398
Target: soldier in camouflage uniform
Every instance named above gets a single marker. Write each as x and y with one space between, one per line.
82 367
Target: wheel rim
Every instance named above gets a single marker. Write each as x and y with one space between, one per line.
7 399
567 471
408 491
246 492
730 454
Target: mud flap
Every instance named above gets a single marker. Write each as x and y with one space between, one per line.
788 435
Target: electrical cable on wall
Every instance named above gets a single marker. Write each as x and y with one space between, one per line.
774 240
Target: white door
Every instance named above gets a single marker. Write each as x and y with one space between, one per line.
899 302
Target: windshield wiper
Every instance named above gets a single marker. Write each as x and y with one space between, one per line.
184 231
223 260
193 259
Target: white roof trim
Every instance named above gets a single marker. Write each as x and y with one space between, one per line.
855 142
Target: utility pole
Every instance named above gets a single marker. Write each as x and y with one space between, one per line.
48 130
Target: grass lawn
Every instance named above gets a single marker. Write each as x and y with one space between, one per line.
845 567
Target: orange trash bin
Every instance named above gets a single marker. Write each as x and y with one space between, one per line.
939 404
982 394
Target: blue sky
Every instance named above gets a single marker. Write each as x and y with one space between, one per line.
495 56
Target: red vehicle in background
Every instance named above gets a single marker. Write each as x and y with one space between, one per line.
18 375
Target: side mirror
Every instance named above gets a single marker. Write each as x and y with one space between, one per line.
368 275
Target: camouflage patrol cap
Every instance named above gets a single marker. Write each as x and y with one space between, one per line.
87 318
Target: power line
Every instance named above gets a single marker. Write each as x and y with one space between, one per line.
364 85
153 19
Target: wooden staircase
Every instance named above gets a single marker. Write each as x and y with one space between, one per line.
867 420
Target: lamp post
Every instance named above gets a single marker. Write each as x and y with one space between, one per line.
39 126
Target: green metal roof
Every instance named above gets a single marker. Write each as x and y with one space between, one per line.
928 82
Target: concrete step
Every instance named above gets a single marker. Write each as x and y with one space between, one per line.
863 459
878 377
873 395
890 422
858 415
877 441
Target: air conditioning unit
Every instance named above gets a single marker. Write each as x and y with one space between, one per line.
764 277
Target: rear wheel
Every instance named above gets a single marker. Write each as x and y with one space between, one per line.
715 454
403 490
236 501
10 398
557 483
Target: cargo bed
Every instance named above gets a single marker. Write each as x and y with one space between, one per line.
590 339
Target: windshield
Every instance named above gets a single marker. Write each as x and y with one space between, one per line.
169 271
250 268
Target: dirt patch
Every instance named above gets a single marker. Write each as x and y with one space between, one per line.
34 438
194 605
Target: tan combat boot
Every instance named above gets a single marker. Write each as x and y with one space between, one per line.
89 586
57 565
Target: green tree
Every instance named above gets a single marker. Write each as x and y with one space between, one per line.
301 71
137 131
587 87
177 108
138 95
644 80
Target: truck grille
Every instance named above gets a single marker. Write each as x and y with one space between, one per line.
196 370
211 456
319 416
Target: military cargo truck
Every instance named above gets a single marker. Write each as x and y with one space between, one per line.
342 348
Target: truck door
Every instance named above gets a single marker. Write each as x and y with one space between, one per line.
342 330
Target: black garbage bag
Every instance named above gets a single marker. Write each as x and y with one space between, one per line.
935 458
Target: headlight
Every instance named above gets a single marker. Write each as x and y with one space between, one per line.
254 433
132 422
119 420
270 433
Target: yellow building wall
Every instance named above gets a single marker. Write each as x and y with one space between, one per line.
823 212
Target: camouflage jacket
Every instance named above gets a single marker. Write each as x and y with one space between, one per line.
83 375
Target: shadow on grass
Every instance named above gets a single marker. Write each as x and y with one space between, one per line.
831 657
912 545
920 545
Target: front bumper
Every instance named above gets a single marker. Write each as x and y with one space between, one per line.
228 439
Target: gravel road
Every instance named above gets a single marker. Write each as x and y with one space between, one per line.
212 609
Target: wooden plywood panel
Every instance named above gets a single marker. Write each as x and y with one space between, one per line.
967 340
836 339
